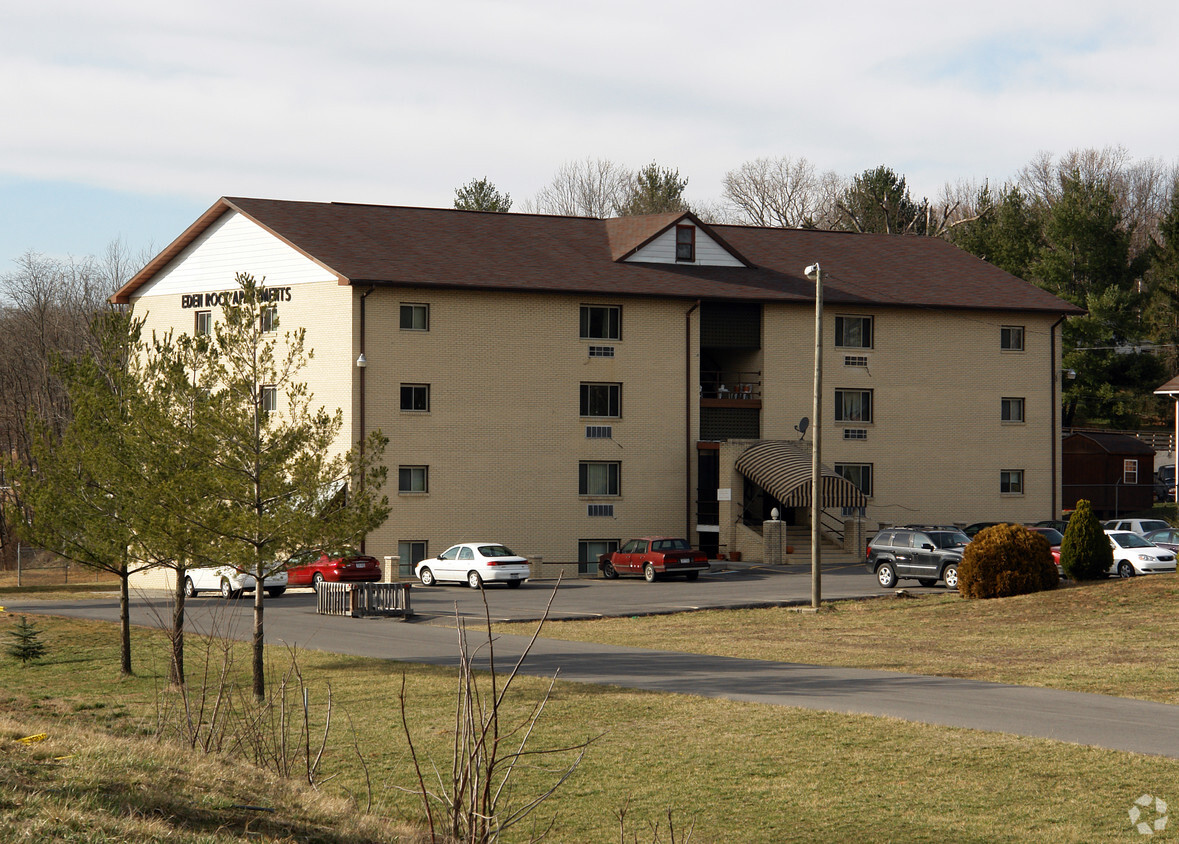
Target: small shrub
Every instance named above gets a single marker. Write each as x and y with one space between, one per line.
1006 560
26 644
1085 552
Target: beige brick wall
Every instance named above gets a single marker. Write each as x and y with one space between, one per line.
503 436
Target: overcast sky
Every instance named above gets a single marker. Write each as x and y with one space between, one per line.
127 119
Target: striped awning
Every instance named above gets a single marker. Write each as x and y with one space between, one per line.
783 469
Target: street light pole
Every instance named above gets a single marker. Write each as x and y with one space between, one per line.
814 271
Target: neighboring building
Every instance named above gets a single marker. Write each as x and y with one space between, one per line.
562 384
1113 472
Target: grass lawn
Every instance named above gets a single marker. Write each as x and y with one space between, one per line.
734 771
1117 637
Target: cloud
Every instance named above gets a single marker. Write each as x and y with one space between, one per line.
401 102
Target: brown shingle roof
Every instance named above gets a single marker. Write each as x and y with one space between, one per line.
467 249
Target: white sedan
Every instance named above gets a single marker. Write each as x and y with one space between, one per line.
1134 554
230 582
476 563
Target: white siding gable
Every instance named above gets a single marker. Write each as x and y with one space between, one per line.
709 253
231 245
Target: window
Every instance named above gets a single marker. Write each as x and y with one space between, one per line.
860 474
1012 410
601 400
1129 471
1011 338
415 317
588 551
269 398
1011 482
269 319
204 324
412 552
413 478
415 397
853 405
853 332
601 322
685 243
598 478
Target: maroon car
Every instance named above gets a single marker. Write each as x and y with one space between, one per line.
1055 538
313 566
653 556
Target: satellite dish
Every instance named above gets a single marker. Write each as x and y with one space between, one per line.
801 427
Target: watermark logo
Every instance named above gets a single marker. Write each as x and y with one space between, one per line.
1149 814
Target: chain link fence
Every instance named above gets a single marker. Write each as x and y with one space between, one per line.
31 566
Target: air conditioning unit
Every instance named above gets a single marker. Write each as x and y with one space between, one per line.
601 510
599 432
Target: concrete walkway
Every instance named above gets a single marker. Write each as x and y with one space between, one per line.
1097 720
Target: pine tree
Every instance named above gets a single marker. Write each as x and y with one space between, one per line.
26 645
1085 552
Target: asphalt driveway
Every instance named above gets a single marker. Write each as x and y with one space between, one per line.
430 637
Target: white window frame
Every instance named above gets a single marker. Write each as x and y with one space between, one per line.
1012 338
202 324
613 322
269 398
1011 482
414 391
1012 410
413 480
268 319
413 309
1129 471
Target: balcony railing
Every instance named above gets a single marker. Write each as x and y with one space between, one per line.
730 385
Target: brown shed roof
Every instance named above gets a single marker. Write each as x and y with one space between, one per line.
379 244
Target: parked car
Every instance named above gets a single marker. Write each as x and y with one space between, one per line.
1138 526
476 563
1134 554
312 566
974 529
653 557
1057 524
1055 538
230 582
1166 538
926 555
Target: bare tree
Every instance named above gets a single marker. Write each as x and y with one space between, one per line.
590 188
780 192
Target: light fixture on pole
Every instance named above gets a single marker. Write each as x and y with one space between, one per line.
815 272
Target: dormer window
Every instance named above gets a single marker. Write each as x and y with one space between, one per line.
685 243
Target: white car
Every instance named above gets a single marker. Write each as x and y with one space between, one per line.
230 582
1134 554
1138 526
476 563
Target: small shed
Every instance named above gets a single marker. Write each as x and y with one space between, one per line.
1115 472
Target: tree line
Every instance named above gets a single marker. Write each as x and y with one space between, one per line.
1094 227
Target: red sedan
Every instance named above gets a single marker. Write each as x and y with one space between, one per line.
313 566
1054 538
653 556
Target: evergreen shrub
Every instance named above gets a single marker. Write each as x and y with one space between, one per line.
1005 560
1085 552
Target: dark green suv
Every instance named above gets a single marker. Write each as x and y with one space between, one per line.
924 554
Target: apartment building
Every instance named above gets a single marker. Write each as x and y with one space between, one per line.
562 384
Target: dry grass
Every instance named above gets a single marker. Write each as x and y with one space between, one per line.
734 771
1116 637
